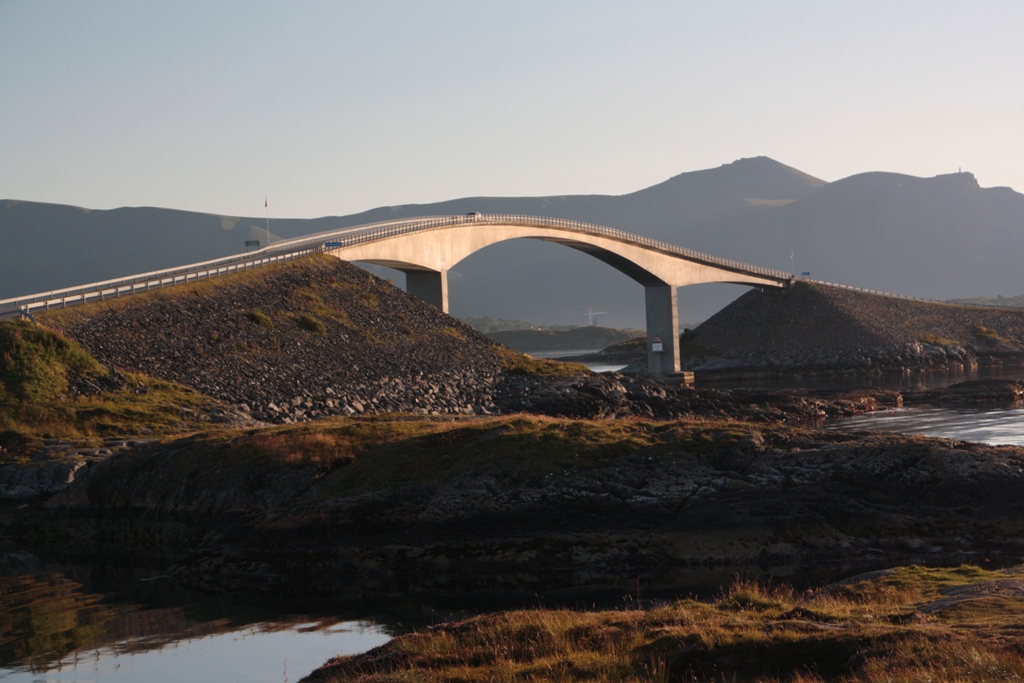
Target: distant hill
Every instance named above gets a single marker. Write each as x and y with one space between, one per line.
591 337
488 324
943 237
1001 301
56 246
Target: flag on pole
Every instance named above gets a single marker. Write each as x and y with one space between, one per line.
265 204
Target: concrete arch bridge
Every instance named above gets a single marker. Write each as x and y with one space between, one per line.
426 248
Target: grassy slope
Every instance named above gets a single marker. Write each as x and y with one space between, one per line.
388 452
35 401
898 627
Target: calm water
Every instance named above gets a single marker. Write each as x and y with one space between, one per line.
997 426
893 381
983 423
55 629
596 367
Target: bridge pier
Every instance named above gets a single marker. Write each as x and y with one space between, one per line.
428 285
662 322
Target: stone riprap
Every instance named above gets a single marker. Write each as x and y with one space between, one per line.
242 340
820 329
297 341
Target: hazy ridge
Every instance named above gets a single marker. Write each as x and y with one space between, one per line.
942 238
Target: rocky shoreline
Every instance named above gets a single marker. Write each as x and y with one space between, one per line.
668 502
366 444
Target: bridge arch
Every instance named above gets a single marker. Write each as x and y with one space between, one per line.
425 249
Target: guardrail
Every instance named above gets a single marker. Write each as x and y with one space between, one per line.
890 295
300 246
134 285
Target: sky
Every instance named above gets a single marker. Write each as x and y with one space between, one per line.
330 108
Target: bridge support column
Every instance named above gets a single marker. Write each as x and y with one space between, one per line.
662 322
428 285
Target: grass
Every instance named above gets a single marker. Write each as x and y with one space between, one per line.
990 335
260 318
389 452
876 630
311 323
935 340
383 453
35 361
35 400
522 364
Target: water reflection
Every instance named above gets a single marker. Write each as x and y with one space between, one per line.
53 629
996 426
891 381
563 353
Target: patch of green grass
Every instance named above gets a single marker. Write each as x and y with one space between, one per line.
311 323
453 332
936 340
260 318
522 364
35 402
751 633
34 362
990 335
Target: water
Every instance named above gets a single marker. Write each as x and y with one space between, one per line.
563 353
890 381
75 625
996 426
54 629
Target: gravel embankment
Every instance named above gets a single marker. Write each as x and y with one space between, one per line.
378 349
815 327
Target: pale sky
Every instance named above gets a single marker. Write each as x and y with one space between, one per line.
336 107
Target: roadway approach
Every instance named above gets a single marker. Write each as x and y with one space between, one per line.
426 248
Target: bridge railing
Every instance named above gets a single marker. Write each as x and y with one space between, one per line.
349 238
288 249
283 250
134 285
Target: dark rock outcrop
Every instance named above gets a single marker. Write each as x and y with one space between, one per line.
706 498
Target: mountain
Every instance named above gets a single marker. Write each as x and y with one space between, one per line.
941 238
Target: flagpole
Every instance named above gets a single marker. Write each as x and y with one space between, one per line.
266 210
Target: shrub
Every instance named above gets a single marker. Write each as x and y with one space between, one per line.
311 323
260 318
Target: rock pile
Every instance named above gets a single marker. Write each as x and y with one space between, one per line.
296 341
622 396
55 467
823 330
